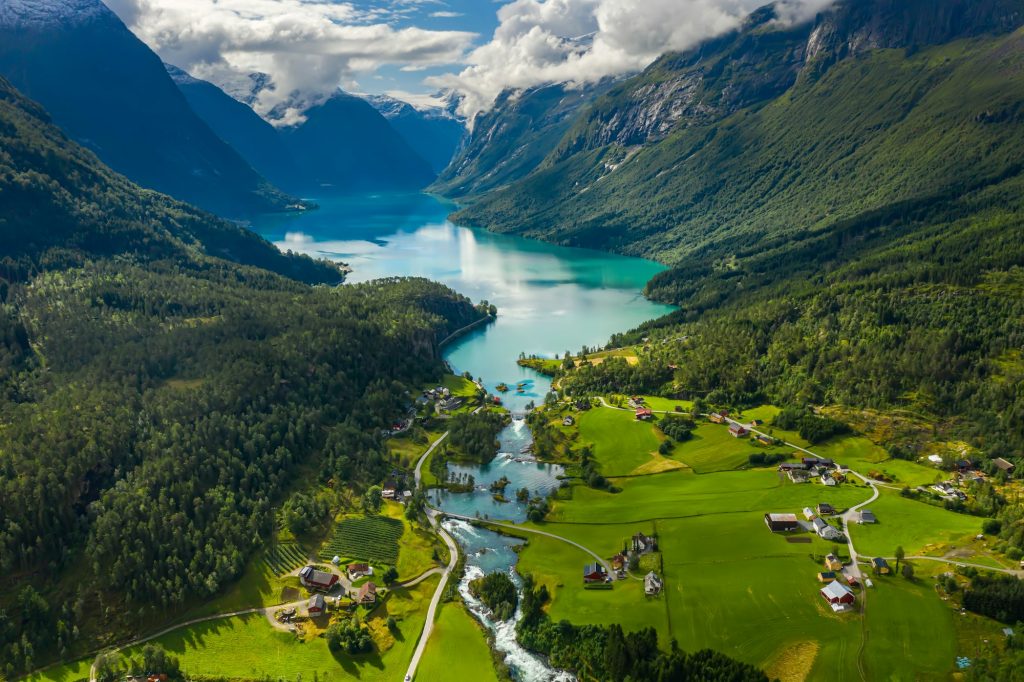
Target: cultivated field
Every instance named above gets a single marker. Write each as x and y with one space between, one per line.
371 538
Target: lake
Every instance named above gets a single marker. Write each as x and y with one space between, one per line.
550 298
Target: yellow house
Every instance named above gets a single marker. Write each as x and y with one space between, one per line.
832 563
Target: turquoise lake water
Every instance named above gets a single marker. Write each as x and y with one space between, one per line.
550 298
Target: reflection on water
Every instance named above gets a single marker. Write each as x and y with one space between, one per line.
550 298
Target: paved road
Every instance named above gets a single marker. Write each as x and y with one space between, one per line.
428 625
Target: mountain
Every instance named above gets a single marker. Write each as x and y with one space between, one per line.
60 204
771 132
509 141
250 136
434 133
110 92
345 143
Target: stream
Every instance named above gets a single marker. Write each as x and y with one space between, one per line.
550 299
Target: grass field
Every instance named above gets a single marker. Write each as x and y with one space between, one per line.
455 630
371 538
914 525
864 456
621 443
66 672
711 449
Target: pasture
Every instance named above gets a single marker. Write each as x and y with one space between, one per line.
621 443
917 526
456 630
711 448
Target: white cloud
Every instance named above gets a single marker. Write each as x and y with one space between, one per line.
445 14
540 41
308 47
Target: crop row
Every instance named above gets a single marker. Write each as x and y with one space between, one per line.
372 539
285 557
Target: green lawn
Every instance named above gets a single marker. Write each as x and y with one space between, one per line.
711 449
914 525
621 443
864 456
910 632
455 630
65 672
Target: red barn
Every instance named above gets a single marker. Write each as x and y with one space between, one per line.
643 414
317 580
838 595
594 573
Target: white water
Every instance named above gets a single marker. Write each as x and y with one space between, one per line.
485 553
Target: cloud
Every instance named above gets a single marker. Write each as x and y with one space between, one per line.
444 14
308 48
580 41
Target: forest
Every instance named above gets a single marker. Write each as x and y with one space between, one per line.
157 400
475 436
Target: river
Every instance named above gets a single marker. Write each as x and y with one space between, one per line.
550 299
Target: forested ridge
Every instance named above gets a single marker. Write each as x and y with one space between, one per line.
156 400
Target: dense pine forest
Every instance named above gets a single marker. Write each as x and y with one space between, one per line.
161 391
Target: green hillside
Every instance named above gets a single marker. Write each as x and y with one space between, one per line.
157 401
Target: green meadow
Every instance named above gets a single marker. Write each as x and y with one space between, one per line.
455 630
915 526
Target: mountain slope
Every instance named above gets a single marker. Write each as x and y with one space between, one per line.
346 144
513 138
434 134
108 91
768 131
60 204
250 136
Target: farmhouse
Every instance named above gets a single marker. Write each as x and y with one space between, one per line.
357 571
642 544
866 516
781 522
316 606
737 431
828 480
716 418
830 533
317 580
808 513
792 466
594 573
636 401
652 584
839 596
825 508
388 491
832 563
817 462
799 476
1004 465
880 565
826 576
367 594
644 414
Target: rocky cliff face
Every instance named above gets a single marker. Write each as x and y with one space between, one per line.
763 59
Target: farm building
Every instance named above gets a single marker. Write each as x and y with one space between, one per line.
367 594
568 421
866 516
757 422
716 418
792 466
839 596
737 431
799 476
832 563
642 544
636 401
652 584
1004 465
817 462
357 571
594 573
644 414
781 522
880 565
808 513
388 491
764 440
826 576
831 533
316 606
619 562
317 580
824 508
828 480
